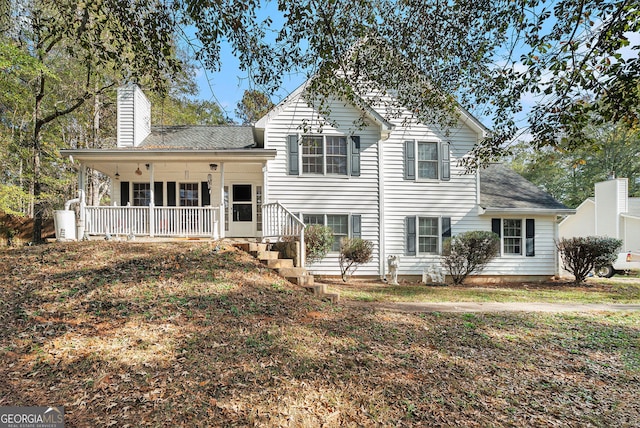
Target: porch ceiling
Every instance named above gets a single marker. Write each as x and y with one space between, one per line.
108 161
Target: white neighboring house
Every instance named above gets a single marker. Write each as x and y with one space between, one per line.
611 212
396 183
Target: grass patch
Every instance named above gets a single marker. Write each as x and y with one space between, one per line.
132 334
615 290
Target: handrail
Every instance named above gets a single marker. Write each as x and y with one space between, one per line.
278 222
153 221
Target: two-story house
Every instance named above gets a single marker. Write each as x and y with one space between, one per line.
395 182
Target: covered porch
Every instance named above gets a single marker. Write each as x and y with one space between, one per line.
169 193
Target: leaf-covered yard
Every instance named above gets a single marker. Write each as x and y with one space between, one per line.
132 334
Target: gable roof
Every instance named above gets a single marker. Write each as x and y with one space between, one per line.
370 112
504 190
196 137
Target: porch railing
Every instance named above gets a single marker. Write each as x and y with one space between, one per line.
153 221
278 222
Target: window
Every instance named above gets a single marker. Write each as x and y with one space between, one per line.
259 208
427 237
312 155
512 241
188 194
337 155
141 194
339 223
324 155
226 208
515 235
426 160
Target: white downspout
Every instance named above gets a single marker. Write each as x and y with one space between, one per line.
381 230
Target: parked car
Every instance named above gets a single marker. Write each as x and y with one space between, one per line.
629 260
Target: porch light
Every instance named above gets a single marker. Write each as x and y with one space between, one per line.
213 166
146 165
117 176
138 172
209 181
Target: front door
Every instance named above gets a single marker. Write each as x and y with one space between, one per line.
242 216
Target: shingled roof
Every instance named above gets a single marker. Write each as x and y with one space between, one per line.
199 138
503 188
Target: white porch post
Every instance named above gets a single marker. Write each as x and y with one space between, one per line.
222 210
82 179
151 203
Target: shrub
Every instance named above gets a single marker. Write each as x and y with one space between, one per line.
468 253
582 255
318 241
353 253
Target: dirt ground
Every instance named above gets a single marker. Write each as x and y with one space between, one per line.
20 229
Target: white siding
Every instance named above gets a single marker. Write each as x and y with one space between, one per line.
455 198
134 116
125 116
544 261
582 223
317 194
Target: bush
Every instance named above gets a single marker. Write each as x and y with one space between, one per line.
582 255
318 241
353 253
468 253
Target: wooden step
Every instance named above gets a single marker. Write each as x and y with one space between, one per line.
302 281
332 297
292 272
252 246
278 263
265 255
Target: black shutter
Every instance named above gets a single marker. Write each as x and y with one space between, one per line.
124 193
205 196
446 228
294 168
355 156
158 198
410 225
356 226
531 233
171 193
445 161
495 226
409 160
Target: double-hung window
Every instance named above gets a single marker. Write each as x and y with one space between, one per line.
339 224
141 194
324 155
427 160
424 235
188 194
517 236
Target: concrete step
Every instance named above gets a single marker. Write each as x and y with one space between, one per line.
278 263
